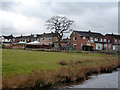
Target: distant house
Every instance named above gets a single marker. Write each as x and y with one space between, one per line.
65 43
114 40
29 38
7 40
44 39
48 38
80 38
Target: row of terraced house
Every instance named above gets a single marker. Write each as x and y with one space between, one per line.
77 39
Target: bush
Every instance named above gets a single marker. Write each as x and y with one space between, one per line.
3 46
63 62
87 48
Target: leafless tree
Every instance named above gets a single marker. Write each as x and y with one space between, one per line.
60 25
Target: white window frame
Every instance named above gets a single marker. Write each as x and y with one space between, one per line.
35 35
115 40
104 40
96 39
74 45
74 38
91 39
81 44
84 37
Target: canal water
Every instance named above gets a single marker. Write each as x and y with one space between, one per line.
109 80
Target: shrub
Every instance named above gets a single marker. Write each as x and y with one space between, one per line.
87 48
63 62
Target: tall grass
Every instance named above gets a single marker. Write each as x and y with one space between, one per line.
72 71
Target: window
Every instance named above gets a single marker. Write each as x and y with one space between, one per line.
13 40
73 32
43 38
81 44
74 38
88 44
115 40
84 37
101 40
105 45
74 45
108 40
96 39
38 40
91 39
35 35
104 40
50 38
109 45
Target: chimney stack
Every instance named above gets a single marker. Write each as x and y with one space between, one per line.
89 31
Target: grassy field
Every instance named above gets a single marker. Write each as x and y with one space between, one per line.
21 61
36 69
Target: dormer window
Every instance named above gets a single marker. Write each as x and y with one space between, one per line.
84 37
74 38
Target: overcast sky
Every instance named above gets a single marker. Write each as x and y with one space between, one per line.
25 17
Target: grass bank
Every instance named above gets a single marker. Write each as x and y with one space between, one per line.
32 69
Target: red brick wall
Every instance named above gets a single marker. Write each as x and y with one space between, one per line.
78 41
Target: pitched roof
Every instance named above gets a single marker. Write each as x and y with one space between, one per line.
8 37
48 35
32 36
114 35
90 34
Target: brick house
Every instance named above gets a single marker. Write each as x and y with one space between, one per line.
29 38
80 38
7 40
46 38
114 40
65 43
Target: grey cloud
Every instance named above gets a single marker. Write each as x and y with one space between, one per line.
100 17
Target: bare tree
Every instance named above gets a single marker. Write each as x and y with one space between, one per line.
60 25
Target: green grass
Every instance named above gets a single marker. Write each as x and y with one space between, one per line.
21 61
